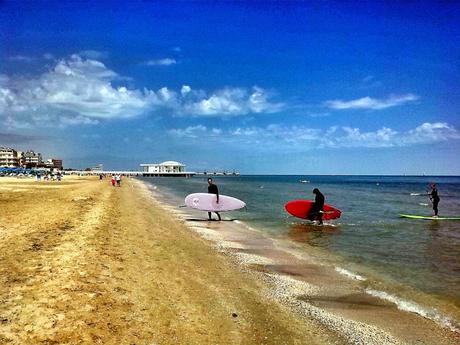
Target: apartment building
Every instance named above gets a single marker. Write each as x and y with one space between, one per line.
31 159
9 157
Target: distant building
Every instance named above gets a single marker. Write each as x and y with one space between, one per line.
168 168
31 159
54 163
98 167
9 157
57 163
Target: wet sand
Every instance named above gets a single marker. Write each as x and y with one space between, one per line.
315 290
82 262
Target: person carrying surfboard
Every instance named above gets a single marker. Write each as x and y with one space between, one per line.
212 189
316 210
434 197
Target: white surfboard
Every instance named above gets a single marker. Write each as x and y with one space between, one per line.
208 202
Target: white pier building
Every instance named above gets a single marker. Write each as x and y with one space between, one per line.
168 168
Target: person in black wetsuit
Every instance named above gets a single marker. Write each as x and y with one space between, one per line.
212 189
316 209
434 197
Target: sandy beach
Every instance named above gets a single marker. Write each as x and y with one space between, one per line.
86 263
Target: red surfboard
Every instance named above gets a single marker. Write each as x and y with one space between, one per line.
301 208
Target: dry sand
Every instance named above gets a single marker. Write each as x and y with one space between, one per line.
84 263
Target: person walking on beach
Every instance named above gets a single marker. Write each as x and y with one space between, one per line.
113 180
118 178
212 189
434 197
316 209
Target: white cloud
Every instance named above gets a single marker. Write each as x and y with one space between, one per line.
332 137
91 136
25 58
6 97
48 56
353 137
317 114
370 81
20 58
78 120
189 132
161 62
3 79
232 102
198 131
93 54
247 132
368 78
185 90
82 91
84 87
73 92
371 103
430 133
426 133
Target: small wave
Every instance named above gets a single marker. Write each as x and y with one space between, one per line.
349 274
413 307
415 194
244 224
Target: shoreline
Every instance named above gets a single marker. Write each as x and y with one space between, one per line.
357 305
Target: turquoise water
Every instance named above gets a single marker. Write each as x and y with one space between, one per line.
421 254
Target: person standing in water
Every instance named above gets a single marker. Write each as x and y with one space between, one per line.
212 189
434 197
316 209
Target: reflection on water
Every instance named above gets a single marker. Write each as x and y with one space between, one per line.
434 225
442 250
312 234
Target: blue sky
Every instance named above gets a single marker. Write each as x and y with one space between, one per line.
286 88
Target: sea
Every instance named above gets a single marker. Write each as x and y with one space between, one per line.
412 262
